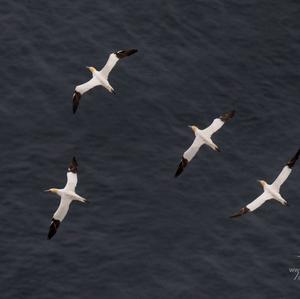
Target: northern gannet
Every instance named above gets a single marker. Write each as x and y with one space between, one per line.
100 77
67 195
270 191
203 137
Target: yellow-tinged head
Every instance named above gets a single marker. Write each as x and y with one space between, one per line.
194 128
262 182
53 190
91 69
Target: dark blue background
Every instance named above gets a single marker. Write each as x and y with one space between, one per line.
145 234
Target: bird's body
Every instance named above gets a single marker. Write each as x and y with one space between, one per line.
203 137
274 193
67 195
271 191
100 78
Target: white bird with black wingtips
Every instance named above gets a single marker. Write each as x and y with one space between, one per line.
270 191
67 195
203 137
100 77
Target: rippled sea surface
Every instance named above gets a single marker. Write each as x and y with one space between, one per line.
145 234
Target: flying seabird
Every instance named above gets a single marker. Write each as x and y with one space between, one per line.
67 195
100 77
203 137
270 191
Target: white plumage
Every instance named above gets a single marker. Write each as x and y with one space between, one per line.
256 203
203 137
67 195
83 88
63 207
100 77
284 174
190 153
111 62
270 191
216 125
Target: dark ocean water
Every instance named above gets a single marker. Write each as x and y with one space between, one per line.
144 234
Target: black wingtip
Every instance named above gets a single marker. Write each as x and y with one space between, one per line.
73 166
240 213
183 163
292 161
74 161
53 228
124 53
227 116
76 100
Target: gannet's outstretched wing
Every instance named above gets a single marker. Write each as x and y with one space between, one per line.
286 171
72 176
256 203
218 123
81 89
113 59
189 154
59 215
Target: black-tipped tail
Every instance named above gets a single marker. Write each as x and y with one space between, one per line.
292 162
53 228
124 53
76 100
73 166
181 166
227 116
240 213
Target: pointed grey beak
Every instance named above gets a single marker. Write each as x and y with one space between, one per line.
47 190
190 127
